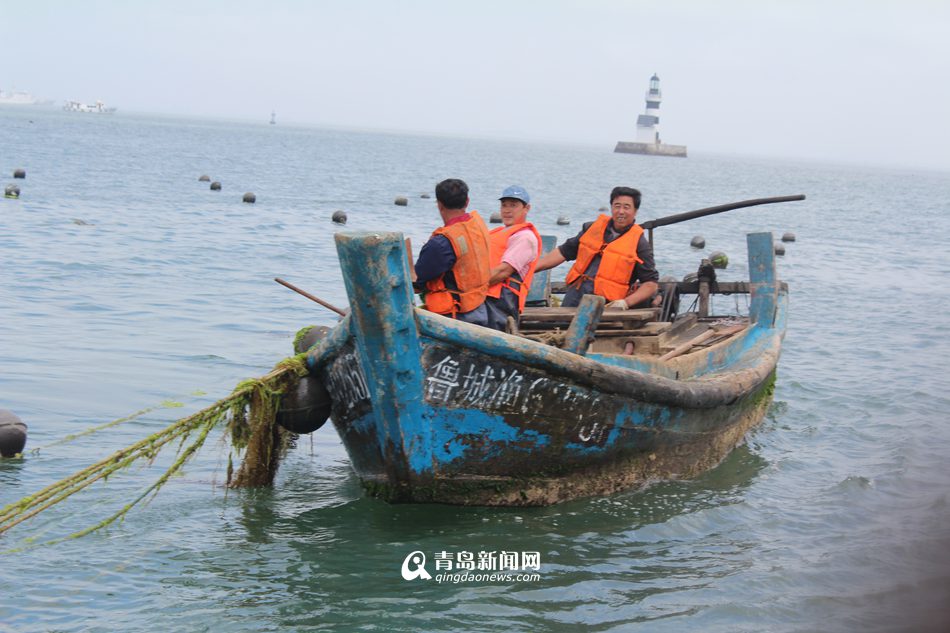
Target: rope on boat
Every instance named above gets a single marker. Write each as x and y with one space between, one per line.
250 416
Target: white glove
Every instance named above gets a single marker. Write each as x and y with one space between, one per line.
619 304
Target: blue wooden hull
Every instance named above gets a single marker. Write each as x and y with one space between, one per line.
434 410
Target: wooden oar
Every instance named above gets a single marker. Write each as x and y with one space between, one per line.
412 267
329 306
708 334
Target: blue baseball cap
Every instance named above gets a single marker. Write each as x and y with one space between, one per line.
517 192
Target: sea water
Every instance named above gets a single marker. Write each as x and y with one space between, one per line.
127 286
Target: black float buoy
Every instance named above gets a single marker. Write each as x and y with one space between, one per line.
401 201
308 337
563 219
216 186
339 217
425 195
204 178
719 259
779 249
495 218
249 197
306 406
603 210
12 434
698 241
11 191
788 237
19 173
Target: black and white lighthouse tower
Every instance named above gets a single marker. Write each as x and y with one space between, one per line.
648 123
648 128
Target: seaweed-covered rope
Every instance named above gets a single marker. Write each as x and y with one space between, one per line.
251 416
165 404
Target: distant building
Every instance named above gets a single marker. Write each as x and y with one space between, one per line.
648 128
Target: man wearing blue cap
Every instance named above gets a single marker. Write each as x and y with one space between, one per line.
515 248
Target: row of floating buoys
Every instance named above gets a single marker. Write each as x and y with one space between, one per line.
12 434
339 217
699 241
248 197
496 219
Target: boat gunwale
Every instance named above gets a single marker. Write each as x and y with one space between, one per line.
717 387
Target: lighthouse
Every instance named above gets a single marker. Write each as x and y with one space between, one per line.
648 123
648 128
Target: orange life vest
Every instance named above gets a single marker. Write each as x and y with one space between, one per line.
469 241
617 260
499 242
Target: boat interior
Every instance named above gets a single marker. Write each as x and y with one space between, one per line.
681 322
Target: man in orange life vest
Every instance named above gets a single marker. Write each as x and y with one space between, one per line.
453 266
613 258
515 249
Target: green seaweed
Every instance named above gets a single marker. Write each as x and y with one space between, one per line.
299 337
249 414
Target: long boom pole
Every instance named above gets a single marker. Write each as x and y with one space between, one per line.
698 213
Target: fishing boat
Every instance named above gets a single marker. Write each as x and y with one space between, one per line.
572 402
96 108
21 97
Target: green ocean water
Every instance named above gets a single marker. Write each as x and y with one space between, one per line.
125 283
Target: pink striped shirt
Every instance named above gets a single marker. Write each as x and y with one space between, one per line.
522 249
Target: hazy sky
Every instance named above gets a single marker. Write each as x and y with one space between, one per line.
864 81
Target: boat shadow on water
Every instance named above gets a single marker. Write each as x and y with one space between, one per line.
268 515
